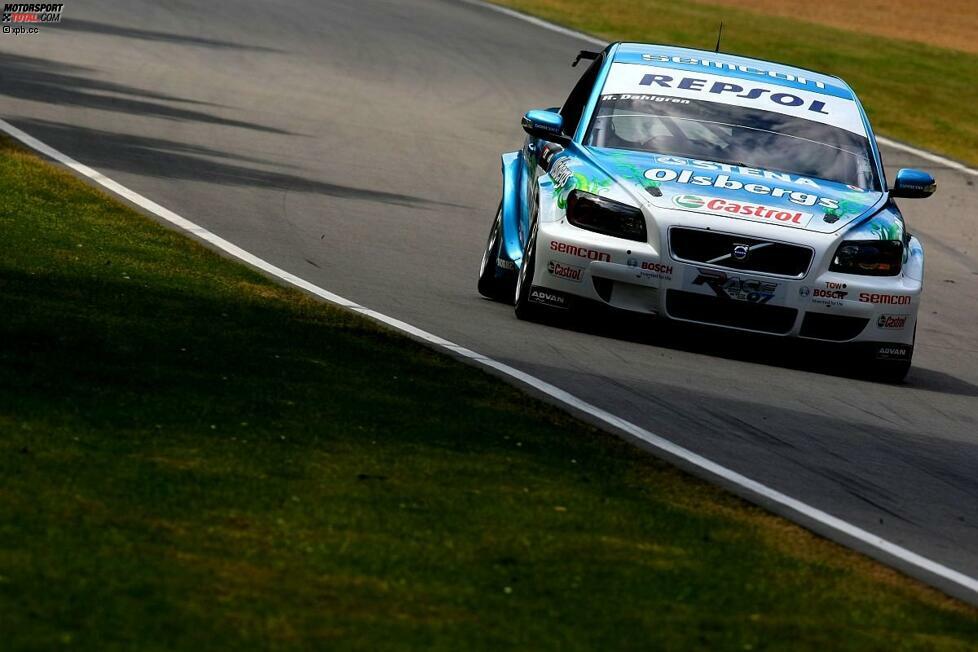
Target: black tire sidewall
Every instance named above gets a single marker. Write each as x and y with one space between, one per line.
495 283
524 308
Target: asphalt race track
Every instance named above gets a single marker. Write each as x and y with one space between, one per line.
356 144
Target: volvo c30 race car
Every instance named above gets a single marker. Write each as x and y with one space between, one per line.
715 189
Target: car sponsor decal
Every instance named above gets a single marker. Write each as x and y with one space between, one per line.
550 151
570 173
885 299
663 176
642 79
725 65
894 352
832 293
548 297
723 181
650 269
580 252
892 322
742 210
692 202
560 172
732 286
566 272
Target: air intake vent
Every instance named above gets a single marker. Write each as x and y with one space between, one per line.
837 328
725 312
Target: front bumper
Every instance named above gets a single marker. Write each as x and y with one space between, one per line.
634 276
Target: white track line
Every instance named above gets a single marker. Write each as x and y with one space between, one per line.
539 22
928 156
655 441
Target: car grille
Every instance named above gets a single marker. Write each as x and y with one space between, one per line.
727 312
700 246
837 328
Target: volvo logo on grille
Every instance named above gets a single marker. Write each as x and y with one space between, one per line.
740 251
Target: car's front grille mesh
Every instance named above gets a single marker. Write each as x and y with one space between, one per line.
724 312
740 252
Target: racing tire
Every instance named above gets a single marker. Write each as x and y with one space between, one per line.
525 309
495 282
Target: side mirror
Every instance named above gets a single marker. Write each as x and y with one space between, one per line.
545 125
913 184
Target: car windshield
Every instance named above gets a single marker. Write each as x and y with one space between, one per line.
747 137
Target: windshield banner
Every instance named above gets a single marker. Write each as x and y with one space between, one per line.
639 79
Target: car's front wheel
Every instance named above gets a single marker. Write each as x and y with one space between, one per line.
525 307
495 281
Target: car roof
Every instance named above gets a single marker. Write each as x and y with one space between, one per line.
706 61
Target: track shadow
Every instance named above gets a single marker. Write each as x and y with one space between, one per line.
49 82
93 27
46 71
789 353
167 159
77 349
938 381
82 347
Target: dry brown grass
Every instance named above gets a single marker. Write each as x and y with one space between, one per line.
948 24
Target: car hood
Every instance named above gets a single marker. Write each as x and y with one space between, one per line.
730 191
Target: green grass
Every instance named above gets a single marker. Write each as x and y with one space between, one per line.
195 458
919 94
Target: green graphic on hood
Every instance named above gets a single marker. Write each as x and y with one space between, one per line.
630 171
885 225
886 228
570 174
846 207
580 181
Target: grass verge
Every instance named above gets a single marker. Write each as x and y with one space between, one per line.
194 457
913 92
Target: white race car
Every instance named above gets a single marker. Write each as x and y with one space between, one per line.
714 189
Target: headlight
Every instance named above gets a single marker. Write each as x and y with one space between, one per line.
868 257
606 216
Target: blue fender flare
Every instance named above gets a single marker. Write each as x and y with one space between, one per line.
511 246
